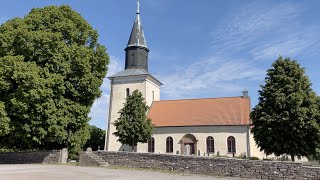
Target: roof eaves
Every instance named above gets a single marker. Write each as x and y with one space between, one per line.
198 98
112 77
155 79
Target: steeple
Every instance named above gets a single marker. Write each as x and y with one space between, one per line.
137 50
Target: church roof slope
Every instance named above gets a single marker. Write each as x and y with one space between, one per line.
228 111
130 72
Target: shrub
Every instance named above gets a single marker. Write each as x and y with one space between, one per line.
254 158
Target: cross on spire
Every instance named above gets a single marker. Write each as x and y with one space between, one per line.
138 7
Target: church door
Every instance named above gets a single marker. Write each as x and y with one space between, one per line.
188 145
189 148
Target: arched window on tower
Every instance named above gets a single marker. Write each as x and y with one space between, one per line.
169 145
127 92
210 144
152 95
231 144
151 145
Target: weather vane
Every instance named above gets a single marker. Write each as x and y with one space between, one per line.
138 7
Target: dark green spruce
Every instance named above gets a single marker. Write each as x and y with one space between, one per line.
285 119
133 126
51 68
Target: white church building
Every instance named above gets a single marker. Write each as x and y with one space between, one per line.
208 126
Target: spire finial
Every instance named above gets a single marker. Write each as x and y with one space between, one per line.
138 7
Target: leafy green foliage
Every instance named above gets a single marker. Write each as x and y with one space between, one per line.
97 138
253 158
133 126
285 119
51 68
316 154
4 121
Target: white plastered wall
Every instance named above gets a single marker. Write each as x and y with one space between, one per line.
219 133
145 85
255 151
152 92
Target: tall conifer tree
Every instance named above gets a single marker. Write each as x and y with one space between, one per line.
133 126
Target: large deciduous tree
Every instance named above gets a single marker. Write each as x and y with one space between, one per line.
285 119
51 68
133 126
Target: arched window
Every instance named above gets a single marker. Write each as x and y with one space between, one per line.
210 144
231 144
152 95
127 92
169 145
151 145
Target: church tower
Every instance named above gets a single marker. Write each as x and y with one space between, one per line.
134 76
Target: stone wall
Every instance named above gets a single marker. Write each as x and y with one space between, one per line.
89 158
211 166
46 157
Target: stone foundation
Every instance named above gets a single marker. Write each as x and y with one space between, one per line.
211 165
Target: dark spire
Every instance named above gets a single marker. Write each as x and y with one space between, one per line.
137 35
136 50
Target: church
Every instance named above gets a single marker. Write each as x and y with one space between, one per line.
202 127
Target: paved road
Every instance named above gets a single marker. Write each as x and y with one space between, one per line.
65 172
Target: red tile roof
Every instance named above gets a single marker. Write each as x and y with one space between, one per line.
227 111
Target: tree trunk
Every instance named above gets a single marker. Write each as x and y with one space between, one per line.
292 157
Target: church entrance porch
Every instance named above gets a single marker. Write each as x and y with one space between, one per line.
188 145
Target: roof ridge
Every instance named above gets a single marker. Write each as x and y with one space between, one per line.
200 98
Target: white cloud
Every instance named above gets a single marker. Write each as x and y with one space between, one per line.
100 108
114 66
99 111
211 74
265 31
256 31
293 44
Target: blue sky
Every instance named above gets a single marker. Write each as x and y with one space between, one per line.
200 48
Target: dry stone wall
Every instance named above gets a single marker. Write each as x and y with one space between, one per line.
46 157
89 158
211 166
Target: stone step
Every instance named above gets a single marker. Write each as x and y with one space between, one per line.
99 160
